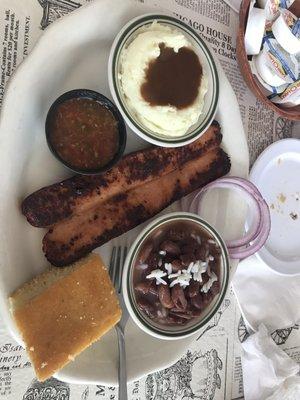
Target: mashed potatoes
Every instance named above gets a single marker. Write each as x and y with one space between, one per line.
134 60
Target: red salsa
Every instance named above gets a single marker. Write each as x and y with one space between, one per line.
84 133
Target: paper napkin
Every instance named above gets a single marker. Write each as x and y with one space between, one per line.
266 296
268 301
268 372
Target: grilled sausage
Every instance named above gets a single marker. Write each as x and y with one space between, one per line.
71 239
80 193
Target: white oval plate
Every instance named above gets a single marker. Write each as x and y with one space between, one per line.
277 175
73 53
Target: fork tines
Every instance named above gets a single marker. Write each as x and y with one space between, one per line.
117 260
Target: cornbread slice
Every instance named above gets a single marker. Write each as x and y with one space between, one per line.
63 311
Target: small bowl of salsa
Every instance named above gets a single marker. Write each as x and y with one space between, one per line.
85 131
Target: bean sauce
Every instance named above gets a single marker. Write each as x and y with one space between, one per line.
175 251
84 133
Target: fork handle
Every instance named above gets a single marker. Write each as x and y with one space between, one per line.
122 365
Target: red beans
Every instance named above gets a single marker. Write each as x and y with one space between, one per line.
152 260
207 298
164 296
143 287
215 289
176 265
146 307
201 252
172 252
153 289
186 259
197 302
193 289
144 254
178 297
170 247
189 248
177 235
205 278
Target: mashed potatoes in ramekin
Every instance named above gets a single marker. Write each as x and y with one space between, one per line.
166 120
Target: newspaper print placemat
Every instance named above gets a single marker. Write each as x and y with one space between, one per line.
234 4
211 368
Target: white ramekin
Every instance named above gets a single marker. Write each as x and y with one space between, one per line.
164 331
123 39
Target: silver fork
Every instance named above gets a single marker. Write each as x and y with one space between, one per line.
117 260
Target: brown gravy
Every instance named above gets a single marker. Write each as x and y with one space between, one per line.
172 78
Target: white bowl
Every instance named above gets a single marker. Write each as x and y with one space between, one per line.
122 40
163 331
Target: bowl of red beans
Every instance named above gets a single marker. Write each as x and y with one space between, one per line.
175 276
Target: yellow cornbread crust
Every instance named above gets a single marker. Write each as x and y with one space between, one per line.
66 317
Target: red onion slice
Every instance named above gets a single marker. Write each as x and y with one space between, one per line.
259 231
263 205
253 231
255 244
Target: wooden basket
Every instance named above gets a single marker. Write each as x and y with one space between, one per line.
254 85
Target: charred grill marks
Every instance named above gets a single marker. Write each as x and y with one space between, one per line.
60 201
126 212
